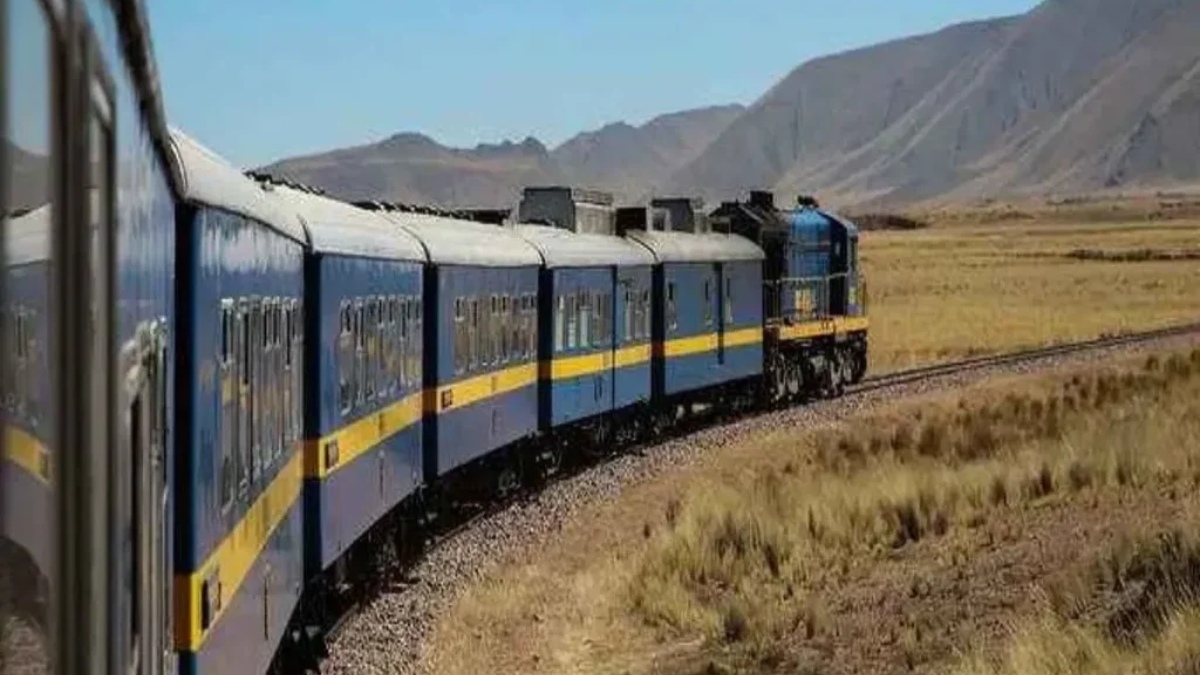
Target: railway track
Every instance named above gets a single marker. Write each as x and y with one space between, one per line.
1007 358
470 514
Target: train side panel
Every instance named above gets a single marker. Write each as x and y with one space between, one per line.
702 345
632 356
366 455
580 382
482 396
240 556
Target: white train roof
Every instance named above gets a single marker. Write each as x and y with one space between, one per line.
689 247
564 248
207 178
337 227
450 241
27 237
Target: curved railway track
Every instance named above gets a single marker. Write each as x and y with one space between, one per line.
469 514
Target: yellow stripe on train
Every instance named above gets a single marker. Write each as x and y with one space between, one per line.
227 567
26 451
822 327
340 448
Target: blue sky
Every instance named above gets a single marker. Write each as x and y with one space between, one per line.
260 80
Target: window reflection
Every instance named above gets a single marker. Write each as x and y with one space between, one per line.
26 511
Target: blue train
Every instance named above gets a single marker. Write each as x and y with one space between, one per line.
231 402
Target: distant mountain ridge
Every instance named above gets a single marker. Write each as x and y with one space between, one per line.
412 167
1071 97
1074 96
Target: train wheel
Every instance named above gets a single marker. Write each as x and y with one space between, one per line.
778 381
795 380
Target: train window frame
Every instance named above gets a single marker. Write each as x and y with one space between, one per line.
505 326
672 318
245 339
345 349
582 297
560 327
474 350
728 300
416 327
708 303
460 347
357 316
646 313
229 383
572 321
256 422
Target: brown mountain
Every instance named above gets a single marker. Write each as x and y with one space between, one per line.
414 168
1074 96
629 160
30 179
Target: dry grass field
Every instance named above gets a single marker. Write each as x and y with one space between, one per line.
990 280
1036 525
1040 525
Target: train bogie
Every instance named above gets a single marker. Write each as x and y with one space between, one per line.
239 476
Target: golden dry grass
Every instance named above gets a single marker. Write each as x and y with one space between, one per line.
739 556
965 287
743 550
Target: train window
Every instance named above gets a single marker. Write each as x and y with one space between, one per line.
289 333
608 319
474 355
418 340
518 327
226 337
728 300
572 321
560 328
358 318
672 323
399 353
708 304
377 328
509 343
298 370
645 313
229 402
460 347
584 310
345 359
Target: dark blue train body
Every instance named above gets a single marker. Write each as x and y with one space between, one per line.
363 393
480 360
592 284
708 302
86 312
239 555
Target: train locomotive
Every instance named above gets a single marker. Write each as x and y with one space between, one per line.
289 391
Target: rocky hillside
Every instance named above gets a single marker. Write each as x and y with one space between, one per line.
411 167
1076 95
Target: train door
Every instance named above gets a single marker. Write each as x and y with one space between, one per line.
715 307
